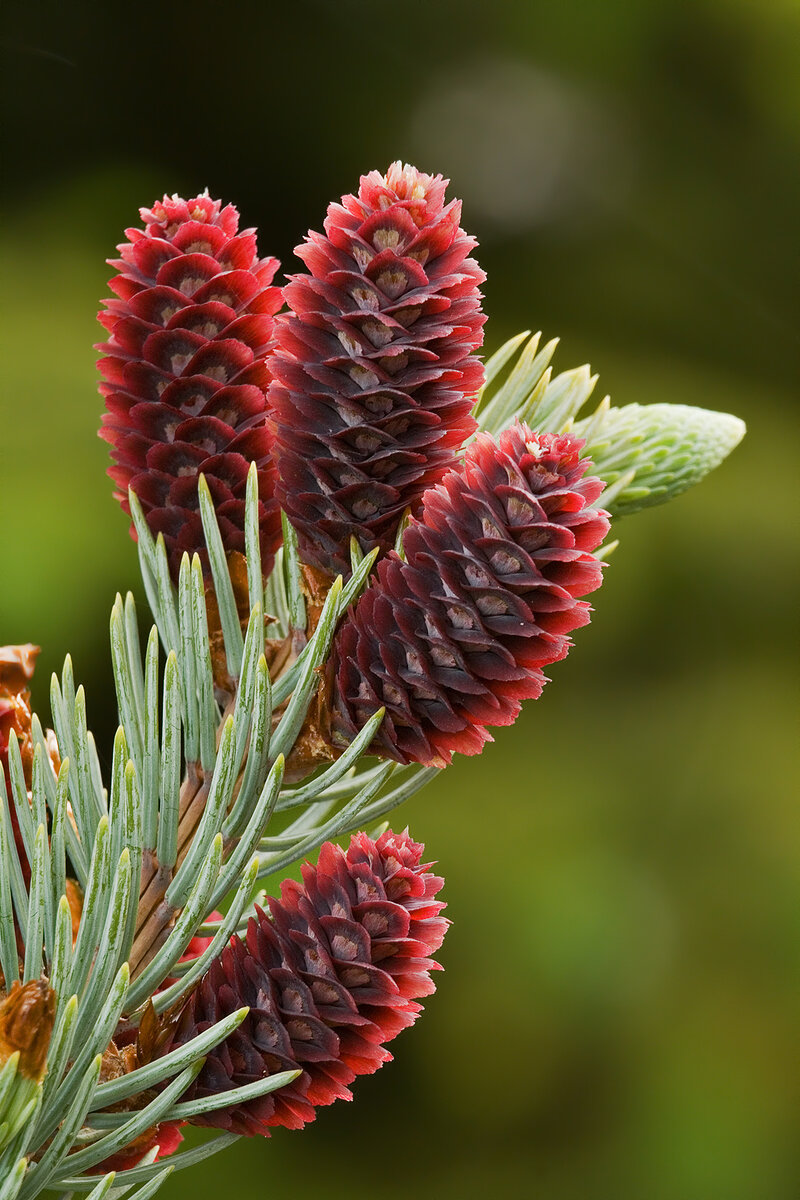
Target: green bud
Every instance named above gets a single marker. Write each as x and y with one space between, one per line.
647 454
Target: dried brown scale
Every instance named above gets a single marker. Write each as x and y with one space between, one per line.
310 750
17 665
115 1063
315 584
27 1016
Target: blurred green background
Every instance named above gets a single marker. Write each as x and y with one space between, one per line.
619 1011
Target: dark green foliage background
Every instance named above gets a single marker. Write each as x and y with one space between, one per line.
619 1013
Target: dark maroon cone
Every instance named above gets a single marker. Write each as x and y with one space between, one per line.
185 372
375 373
330 976
452 640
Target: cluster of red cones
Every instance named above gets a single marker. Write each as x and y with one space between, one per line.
355 402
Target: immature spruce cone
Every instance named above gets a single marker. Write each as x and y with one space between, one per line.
452 640
185 372
375 373
330 978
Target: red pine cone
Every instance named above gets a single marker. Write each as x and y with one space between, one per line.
452 640
185 372
375 373
329 977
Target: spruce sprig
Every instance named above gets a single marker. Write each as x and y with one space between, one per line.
209 794
111 974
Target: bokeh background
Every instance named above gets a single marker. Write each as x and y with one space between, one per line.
619 1012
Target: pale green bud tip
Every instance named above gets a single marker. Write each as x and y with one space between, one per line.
647 454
